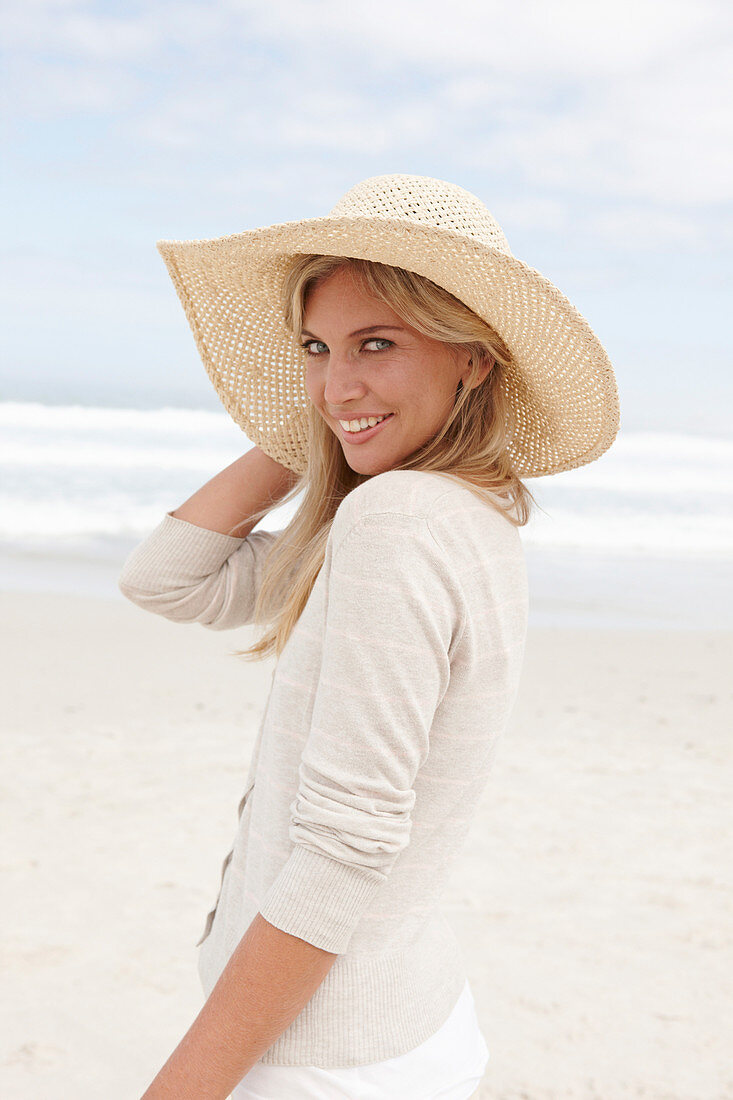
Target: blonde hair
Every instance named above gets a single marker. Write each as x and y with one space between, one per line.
470 447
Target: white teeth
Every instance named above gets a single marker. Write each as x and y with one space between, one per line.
359 425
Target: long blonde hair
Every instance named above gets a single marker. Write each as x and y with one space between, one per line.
470 447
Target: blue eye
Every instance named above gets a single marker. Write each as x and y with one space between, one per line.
374 340
308 343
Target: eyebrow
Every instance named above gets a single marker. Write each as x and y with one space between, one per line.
360 331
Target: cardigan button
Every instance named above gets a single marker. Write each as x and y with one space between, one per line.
244 798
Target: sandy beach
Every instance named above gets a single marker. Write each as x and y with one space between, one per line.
592 898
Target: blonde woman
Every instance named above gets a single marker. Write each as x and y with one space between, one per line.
396 365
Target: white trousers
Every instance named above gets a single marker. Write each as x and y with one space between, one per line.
448 1066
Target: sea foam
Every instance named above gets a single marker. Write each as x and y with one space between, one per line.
77 477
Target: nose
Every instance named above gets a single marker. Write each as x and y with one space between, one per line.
342 382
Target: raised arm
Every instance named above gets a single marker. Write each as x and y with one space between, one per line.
190 569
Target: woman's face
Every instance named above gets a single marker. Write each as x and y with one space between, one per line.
391 371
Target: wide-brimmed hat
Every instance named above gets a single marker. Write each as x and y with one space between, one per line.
561 386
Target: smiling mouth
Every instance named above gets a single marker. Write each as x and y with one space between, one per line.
364 432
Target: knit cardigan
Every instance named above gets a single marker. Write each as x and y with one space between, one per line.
383 716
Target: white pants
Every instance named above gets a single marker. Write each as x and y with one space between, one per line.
448 1066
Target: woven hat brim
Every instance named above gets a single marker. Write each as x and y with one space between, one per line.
561 389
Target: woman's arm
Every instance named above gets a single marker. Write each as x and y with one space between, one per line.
191 568
266 983
226 502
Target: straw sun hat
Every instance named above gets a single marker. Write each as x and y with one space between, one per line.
561 387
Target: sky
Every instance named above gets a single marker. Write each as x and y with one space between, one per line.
598 135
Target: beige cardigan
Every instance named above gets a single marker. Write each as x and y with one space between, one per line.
376 743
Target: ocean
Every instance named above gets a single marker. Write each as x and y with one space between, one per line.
641 537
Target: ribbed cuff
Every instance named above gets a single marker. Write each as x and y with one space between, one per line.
178 550
319 899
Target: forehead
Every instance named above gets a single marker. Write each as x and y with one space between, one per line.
342 297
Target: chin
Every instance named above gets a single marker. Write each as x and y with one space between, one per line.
369 468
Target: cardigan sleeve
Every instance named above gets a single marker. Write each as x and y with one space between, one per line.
190 574
394 612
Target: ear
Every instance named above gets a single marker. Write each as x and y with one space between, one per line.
486 365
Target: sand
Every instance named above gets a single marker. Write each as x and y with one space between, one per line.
593 898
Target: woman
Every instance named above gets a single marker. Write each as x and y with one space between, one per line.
398 366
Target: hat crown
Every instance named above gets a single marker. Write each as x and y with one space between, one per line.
428 201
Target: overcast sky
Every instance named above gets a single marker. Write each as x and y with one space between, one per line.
598 134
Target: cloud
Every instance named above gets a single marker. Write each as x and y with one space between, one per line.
622 105
635 228
534 38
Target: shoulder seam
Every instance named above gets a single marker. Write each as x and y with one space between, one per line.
387 512
382 511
